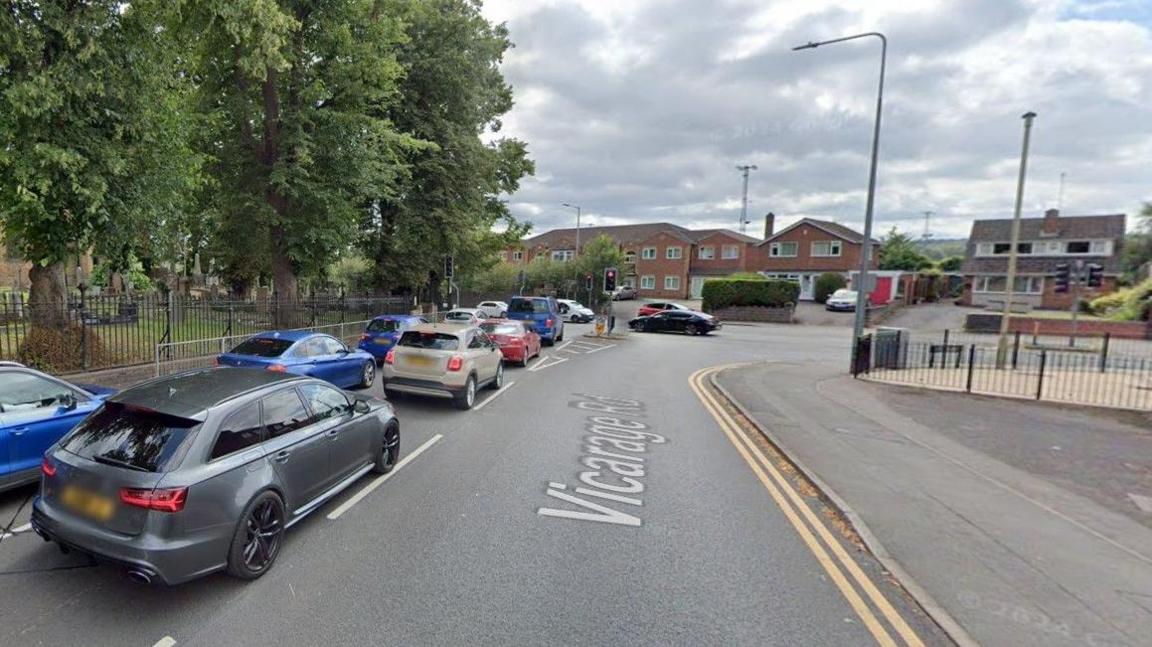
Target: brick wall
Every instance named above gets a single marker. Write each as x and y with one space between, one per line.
661 266
990 323
718 265
1057 301
804 236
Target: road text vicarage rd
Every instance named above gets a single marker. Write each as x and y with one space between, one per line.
615 471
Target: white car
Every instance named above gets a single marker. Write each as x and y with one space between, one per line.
842 301
493 309
575 311
470 316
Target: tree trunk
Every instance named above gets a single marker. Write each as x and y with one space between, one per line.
47 299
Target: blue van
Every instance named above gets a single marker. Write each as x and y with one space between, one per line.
544 312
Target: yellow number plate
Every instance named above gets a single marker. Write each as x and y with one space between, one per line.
419 360
87 503
383 341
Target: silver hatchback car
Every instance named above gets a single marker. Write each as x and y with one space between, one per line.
204 471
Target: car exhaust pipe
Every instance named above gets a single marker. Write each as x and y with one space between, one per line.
140 576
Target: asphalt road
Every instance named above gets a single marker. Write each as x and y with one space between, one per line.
483 538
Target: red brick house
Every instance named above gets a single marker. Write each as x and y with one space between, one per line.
808 248
1044 243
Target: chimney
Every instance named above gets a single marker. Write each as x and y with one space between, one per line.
1052 221
769 225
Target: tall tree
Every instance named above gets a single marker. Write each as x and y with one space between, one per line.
90 150
453 95
301 92
899 252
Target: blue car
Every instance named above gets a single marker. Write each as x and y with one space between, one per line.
304 353
543 312
383 332
36 410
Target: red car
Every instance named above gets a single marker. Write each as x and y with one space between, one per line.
649 309
519 341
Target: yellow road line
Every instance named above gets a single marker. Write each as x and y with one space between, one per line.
775 485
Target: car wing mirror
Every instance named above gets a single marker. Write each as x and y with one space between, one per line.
67 402
361 406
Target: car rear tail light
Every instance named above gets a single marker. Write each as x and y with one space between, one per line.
365 337
547 323
48 467
277 368
390 358
456 363
166 500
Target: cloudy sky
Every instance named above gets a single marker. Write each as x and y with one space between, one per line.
639 110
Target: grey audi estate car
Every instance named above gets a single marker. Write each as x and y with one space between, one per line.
204 471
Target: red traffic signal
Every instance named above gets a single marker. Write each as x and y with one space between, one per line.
610 279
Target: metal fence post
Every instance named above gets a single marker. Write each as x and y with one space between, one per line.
83 328
1104 351
1040 382
971 364
1016 349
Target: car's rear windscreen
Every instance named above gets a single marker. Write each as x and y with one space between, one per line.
383 325
126 437
502 329
263 347
429 340
533 306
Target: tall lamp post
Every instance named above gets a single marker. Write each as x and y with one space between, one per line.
866 252
1010 280
744 168
577 208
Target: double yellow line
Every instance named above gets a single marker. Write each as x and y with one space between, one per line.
826 549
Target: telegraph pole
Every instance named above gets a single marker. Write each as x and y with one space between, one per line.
744 169
1010 280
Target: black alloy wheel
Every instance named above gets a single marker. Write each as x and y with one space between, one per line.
692 329
258 539
389 450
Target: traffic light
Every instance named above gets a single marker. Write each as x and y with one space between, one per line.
588 281
1063 276
1095 275
449 267
610 279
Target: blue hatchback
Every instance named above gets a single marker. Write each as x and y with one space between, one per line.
36 410
543 312
383 332
304 353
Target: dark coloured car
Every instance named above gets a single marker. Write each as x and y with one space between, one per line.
36 410
204 471
383 332
304 353
685 321
544 312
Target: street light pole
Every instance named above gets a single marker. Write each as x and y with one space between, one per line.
1010 280
866 244
744 168
577 208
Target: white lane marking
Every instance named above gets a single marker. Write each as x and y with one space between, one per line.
563 346
602 348
166 641
493 396
542 364
379 480
16 531
1141 501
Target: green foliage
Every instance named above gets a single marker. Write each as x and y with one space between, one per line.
748 276
722 293
1129 304
826 284
899 252
500 279
1136 252
597 256
951 264
941 249
352 273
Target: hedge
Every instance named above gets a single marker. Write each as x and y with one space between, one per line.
722 293
826 284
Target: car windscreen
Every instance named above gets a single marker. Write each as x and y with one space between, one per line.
19 391
131 438
429 340
383 325
502 329
263 347
458 316
531 306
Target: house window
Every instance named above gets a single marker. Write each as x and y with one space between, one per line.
1004 248
995 284
648 253
647 282
674 253
563 255
707 253
504 256
783 249
630 256
1078 247
1102 247
517 256
984 249
671 282
826 248
729 252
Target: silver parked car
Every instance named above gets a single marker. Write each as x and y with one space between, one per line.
204 471
444 361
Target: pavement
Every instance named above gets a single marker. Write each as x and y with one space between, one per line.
488 533
1014 523
932 317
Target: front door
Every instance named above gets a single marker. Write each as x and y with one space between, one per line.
697 286
807 287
